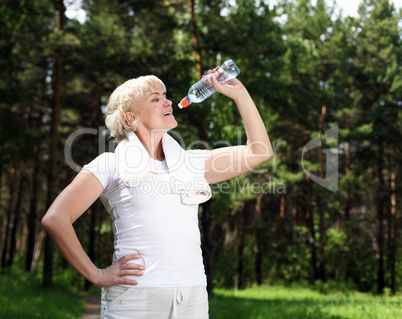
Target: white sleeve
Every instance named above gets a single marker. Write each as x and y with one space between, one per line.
103 167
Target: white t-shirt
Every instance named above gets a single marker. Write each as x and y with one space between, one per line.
151 220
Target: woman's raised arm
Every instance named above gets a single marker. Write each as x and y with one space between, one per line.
228 162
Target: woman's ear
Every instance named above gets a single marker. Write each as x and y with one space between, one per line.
129 117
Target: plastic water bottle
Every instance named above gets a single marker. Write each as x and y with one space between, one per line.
203 89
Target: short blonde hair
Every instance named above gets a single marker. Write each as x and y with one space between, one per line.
123 99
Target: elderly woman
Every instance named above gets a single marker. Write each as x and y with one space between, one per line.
151 187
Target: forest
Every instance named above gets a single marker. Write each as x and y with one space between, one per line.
325 208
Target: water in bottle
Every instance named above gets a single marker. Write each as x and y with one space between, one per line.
203 89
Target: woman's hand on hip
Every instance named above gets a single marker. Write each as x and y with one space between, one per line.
117 272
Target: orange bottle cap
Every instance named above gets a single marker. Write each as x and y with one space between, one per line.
183 103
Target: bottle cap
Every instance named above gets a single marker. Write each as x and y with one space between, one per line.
183 103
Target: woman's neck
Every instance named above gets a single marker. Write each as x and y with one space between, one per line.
152 143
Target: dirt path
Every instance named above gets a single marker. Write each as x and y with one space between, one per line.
93 307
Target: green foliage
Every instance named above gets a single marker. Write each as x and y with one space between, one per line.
294 263
69 277
21 297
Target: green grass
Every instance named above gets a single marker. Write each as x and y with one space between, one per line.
300 303
22 297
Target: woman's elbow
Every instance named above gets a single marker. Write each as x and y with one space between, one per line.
264 158
45 222
269 155
265 155
261 149
48 221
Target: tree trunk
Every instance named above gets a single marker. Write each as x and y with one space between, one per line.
347 212
195 37
321 217
32 216
347 193
295 204
4 224
282 207
32 219
392 230
380 218
38 248
52 173
310 226
17 213
240 249
309 219
10 196
258 240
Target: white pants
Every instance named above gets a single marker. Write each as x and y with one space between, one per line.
122 302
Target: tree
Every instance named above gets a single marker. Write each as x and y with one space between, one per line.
307 29
378 90
53 140
24 25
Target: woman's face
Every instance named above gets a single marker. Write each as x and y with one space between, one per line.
155 111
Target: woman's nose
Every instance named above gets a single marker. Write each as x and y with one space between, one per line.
168 103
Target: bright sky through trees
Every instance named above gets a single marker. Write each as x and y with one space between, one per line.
349 7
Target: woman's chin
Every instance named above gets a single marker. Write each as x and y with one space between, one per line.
173 125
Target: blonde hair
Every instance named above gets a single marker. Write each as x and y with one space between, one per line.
123 99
